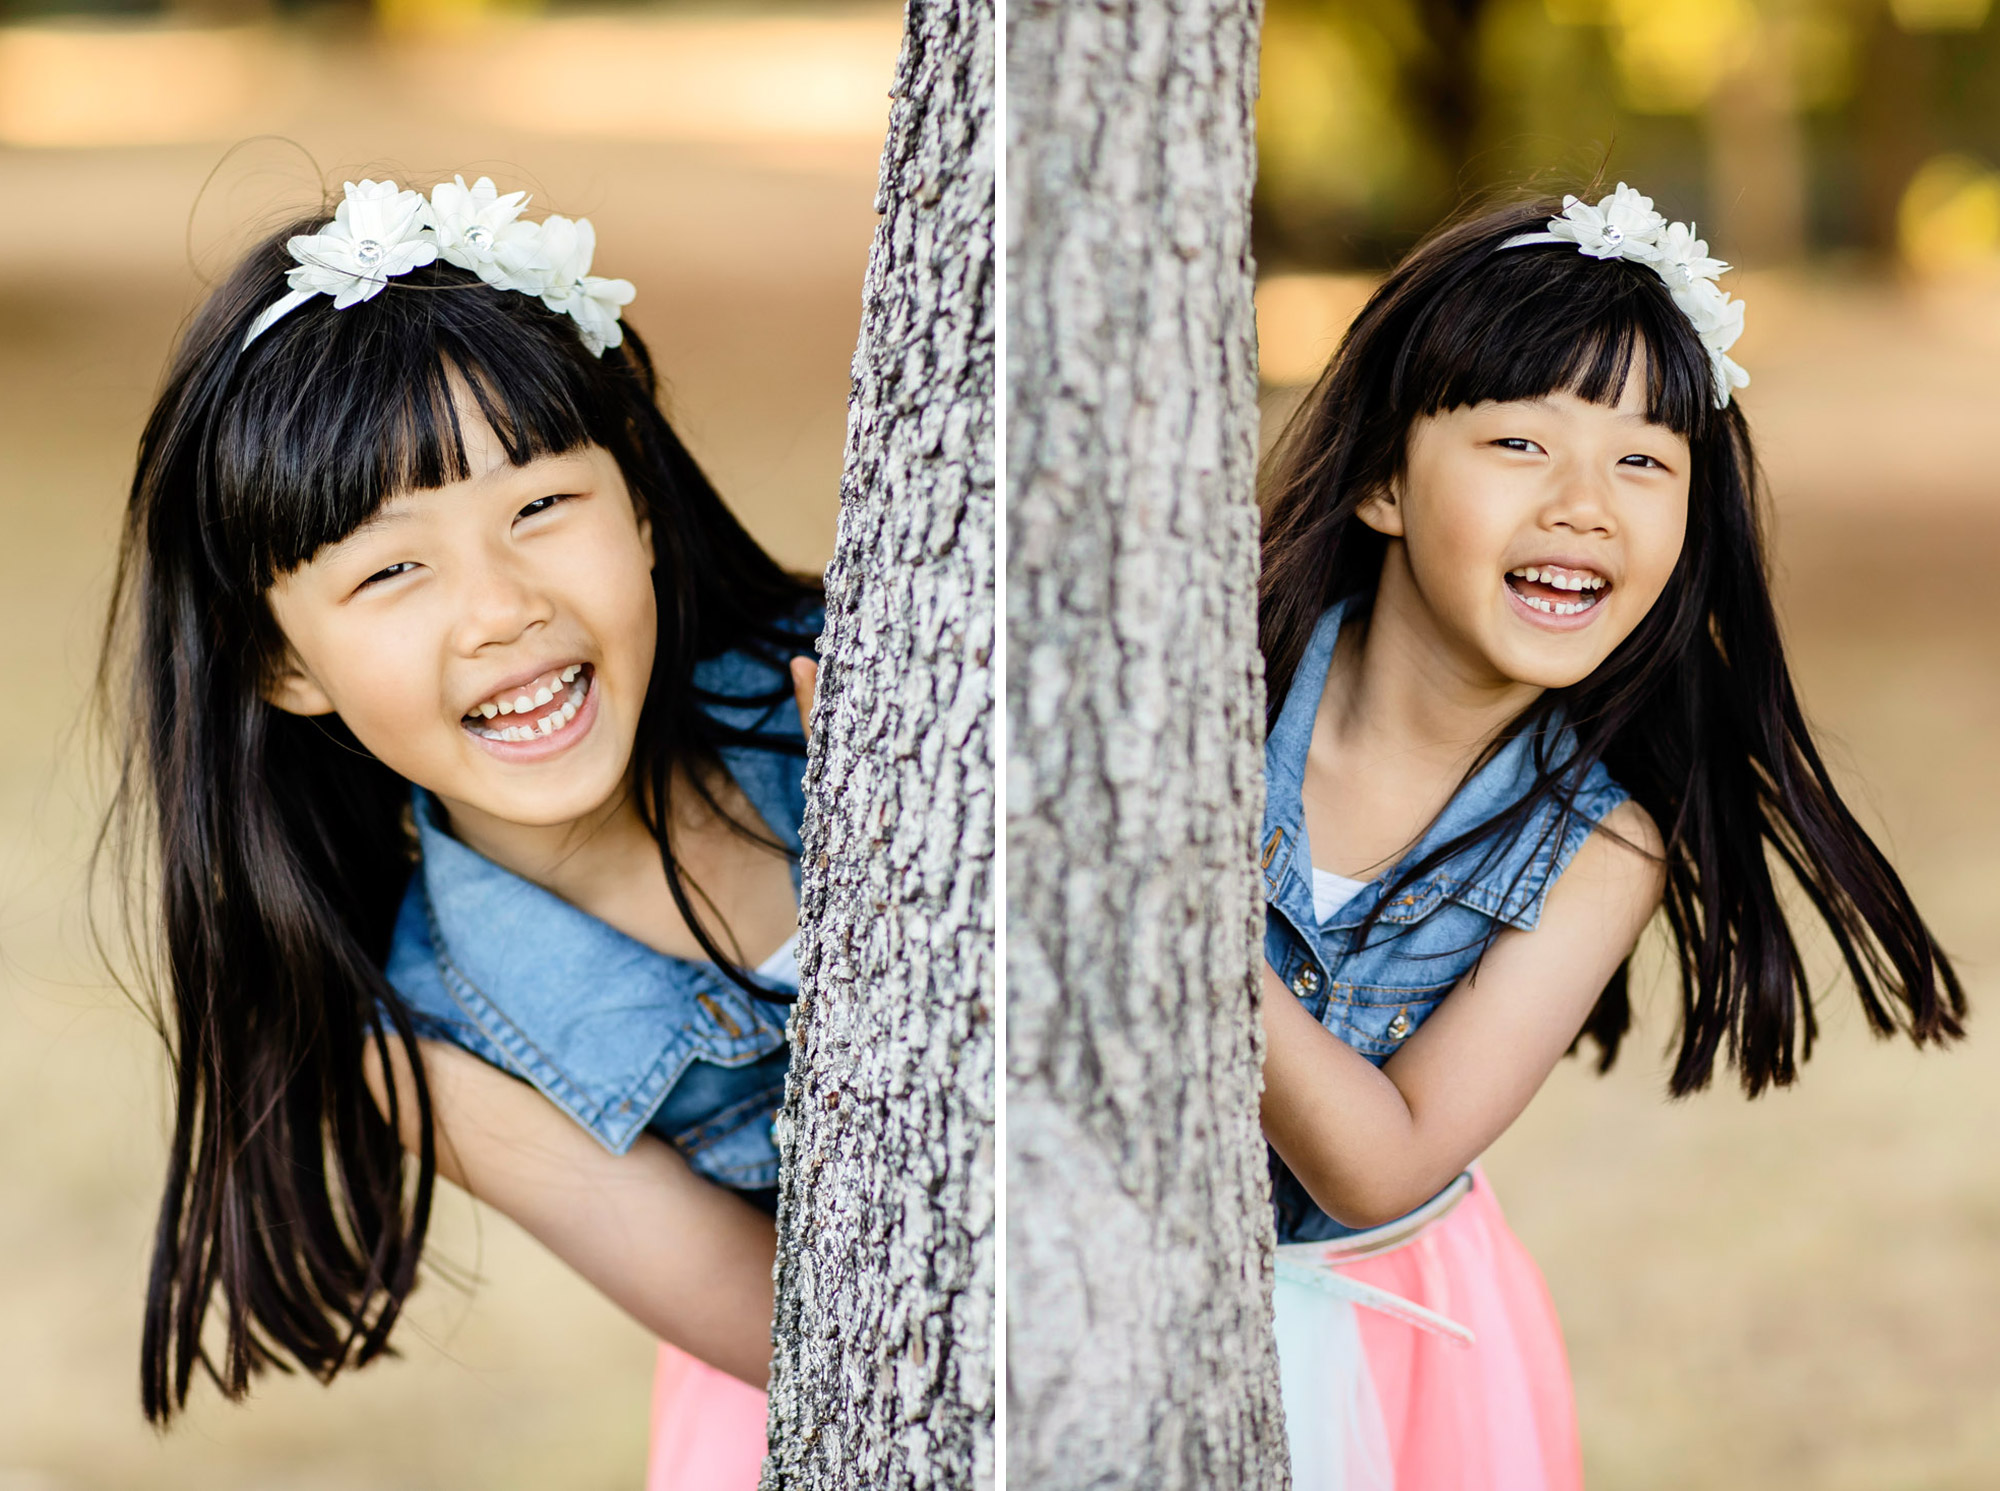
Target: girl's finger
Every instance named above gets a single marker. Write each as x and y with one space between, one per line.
805 687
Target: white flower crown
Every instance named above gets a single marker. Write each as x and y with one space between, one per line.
1624 226
380 231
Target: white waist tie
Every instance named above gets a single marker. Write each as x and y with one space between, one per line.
1333 1421
1313 1264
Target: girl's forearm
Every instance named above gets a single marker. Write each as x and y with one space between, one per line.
686 1259
1343 1126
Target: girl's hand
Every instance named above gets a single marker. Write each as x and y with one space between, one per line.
805 688
1371 1145
686 1259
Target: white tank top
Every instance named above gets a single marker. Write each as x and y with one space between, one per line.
1331 892
782 967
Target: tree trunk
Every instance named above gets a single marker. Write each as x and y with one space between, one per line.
883 1372
1139 1225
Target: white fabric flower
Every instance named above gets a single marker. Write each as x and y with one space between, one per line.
377 232
1684 257
380 231
480 230
1621 226
1729 375
1624 225
1717 319
1718 322
592 301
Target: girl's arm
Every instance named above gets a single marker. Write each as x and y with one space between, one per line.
686 1259
1370 1145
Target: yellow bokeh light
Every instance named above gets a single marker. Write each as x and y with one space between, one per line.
744 80
1301 319
1673 54
748 79
1940 15
1949 219
445 17
71 85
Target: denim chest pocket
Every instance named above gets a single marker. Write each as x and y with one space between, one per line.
1376 1019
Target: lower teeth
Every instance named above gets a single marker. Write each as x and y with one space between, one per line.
1558 608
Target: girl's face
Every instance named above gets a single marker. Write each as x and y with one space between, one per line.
1534 535
490 640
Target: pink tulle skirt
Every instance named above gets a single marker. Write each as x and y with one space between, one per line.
1437 1365
708 1428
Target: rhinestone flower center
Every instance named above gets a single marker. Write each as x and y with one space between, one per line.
368 253
479 236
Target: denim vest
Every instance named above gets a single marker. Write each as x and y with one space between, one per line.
620 1037
1432 934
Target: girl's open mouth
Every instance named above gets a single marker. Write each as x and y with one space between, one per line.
1557 591
534 710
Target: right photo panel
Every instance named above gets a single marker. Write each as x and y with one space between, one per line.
1502 670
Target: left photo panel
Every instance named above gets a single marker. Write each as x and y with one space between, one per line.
499 963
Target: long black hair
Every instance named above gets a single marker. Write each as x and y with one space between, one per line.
260 856
1694 713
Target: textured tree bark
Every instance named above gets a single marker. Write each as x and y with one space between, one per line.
883 1372
1139 1226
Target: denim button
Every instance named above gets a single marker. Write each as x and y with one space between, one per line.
1400 1026
1306 982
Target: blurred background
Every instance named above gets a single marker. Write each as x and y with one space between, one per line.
727 156
1805 1291
1800 1292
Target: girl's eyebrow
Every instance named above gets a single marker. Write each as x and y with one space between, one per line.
534 472
387 514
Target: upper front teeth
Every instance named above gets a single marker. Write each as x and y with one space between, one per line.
521 703
1561 579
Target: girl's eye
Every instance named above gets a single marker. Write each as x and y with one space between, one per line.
542 505
387 574
1516 442
1643 461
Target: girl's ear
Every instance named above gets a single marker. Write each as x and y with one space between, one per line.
1382 510
291 688
646 538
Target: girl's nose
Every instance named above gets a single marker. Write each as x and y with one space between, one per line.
1580 502
499 604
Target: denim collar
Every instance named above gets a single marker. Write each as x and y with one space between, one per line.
1507 881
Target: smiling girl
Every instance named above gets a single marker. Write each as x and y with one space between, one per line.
462 733
1526 690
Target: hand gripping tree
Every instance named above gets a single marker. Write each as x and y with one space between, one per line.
883 1372
1139 1230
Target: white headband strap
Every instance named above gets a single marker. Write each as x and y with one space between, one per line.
1625 226
380 231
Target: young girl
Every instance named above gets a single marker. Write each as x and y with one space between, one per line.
1526 687
462 733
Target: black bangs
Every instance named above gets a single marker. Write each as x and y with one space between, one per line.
1526 322
333 412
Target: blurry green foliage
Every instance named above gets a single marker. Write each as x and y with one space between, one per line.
1793 125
